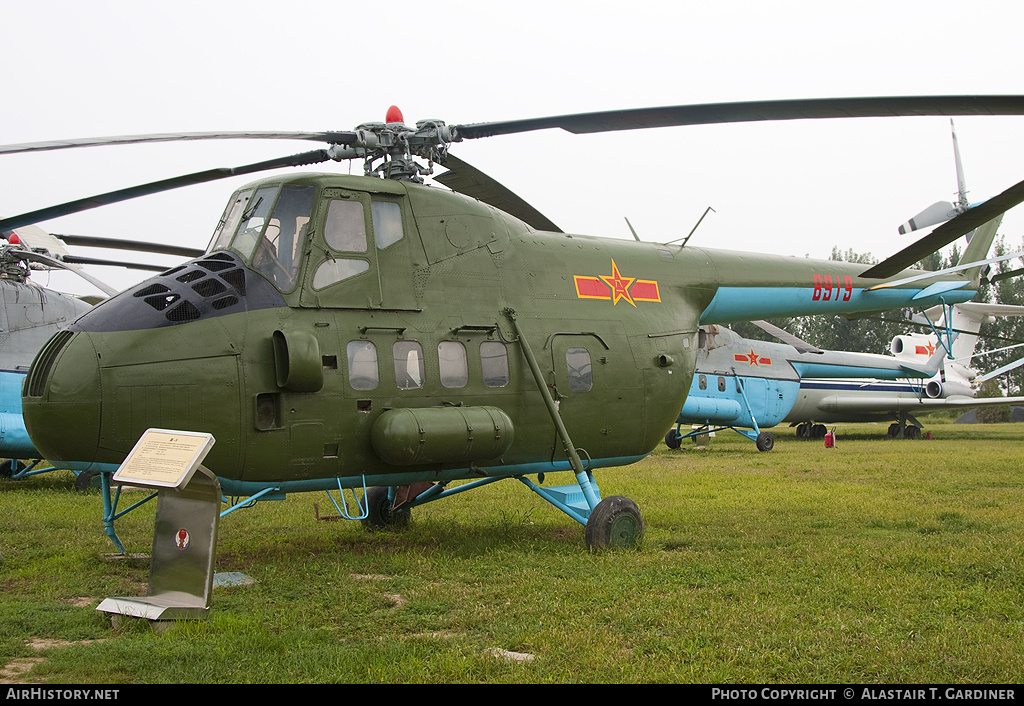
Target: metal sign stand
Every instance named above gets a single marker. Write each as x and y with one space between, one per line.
185 533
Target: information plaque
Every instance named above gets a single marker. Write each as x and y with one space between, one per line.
185 529
164 458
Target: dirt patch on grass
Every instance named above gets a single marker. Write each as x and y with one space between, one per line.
17 671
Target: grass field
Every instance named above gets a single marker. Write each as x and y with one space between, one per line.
874 561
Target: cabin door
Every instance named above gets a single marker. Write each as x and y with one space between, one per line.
360 254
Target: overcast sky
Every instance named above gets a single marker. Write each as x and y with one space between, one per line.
104 67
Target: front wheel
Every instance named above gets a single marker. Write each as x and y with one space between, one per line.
615 522
673 440
10 467
380 513
765 441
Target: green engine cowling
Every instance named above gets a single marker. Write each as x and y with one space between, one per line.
405 437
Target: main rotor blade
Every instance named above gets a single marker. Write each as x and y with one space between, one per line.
76 260
754 111
155 187
334 138
90 241
467 179
53 262
948 232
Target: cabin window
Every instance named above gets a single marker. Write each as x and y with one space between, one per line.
253 219
346 228
333 271
581 377
408 365
721 384
494 363
362 365
229 221
387 223
702 382
279 250
453 364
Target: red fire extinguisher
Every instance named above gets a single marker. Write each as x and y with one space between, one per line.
830 439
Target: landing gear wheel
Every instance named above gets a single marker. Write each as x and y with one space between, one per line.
380 515
615 523
765 441
9 467
672 440
912 432
803 430
84 479
818 431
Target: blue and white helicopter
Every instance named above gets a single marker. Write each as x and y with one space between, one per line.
30 313
749 386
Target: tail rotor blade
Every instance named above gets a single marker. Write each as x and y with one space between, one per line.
947 232
938 212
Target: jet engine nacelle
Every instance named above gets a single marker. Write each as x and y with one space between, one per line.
912 346
937 390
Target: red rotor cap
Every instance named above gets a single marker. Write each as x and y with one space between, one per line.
14 239
394 115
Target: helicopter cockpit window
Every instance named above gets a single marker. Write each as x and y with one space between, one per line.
408 365
362 365
494 363
453 364
279 250
229 221
581 378
387 223
345 229
253 219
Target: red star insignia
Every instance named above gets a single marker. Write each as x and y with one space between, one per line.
620 285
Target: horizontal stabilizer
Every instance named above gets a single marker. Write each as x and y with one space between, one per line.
801 345
999 371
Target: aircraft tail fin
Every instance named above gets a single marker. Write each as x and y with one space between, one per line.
979 240
966 320
978 248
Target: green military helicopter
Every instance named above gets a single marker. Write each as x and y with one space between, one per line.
378 336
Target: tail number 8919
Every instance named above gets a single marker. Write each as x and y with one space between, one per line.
829 288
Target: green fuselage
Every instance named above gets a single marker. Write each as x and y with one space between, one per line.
308 321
